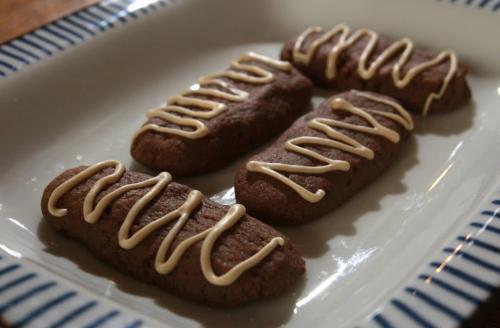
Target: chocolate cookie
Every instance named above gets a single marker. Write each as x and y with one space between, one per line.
324 158
169 235
422 80
223 116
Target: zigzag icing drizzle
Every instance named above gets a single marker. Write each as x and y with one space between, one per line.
334 139
163 265
214 86
365 71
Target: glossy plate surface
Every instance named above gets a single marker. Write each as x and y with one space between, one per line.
365 258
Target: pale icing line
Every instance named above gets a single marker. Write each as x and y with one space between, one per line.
365 73
163 265
211 108
337 140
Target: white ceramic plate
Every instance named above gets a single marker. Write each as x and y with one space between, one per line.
368 262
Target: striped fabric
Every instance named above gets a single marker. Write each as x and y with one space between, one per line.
71 30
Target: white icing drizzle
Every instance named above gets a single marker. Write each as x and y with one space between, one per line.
213 86
337 140
163 265
365 71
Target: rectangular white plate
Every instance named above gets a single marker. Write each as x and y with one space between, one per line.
366 261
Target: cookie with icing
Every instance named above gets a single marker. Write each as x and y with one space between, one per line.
167 234
222 116
324 158
423 81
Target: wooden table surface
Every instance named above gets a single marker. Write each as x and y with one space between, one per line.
20 16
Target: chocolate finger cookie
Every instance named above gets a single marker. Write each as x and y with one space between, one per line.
167 234
324 158
223 116
423 81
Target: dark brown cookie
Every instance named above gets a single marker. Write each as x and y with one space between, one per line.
413 96
290 194
270 276
269 107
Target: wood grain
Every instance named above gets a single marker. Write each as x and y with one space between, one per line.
20 16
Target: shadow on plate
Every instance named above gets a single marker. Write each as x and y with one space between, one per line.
446 124
312 238
275 312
